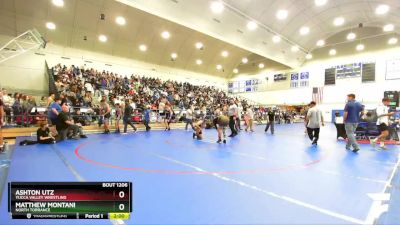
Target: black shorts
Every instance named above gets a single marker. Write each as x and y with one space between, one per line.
383 127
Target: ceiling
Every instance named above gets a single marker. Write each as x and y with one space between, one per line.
191 21
79 18
230 24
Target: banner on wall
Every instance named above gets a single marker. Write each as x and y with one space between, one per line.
299 79
393 69
242 86
294 80
348 70
304 79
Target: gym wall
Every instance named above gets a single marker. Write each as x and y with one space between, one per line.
25 73
334 96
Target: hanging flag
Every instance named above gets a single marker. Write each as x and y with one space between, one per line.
317 94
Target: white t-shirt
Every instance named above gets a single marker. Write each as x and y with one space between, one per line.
381 110
189 114
232 110
250 113
7 100
314 116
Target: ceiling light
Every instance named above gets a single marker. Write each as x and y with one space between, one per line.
351 36
304 30
219 67
58 3
261 65
320 43
392 41
235 70
199 62
295 48
165 35
224 53
276 39
281 14
199 45
251 25
360 47
381 9
174 55
320 2
50 26
308 56
245 60
120 20
388 27
143 48
102 38
338 21
217 6
332 52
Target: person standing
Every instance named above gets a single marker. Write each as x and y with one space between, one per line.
189 117
382 111
249 119
1 124
168 116
271 121
128 117
351 118
118 115
314 120
54 110
146 121
239 115
232 113
105 113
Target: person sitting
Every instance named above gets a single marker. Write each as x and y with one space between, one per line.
78 117
65 125
43 134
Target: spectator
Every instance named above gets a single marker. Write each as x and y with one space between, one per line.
146 120
1 122
8 102
43 134
79 118
54 110
351 119
50 99
314 121
249 119
65 126
189 117
118 116
128 117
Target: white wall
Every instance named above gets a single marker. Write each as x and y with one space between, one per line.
370 94
26 72
23 73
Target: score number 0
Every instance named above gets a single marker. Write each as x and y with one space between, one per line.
121 206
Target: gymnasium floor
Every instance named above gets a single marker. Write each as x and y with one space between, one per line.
256 178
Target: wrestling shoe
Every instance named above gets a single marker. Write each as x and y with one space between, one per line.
373 143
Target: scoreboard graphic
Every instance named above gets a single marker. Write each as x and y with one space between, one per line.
70 200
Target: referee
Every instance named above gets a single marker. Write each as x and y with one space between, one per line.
232 113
